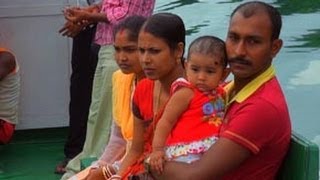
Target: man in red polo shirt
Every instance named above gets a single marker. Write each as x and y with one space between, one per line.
255 135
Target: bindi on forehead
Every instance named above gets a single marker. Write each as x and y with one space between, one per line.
122 32
218 61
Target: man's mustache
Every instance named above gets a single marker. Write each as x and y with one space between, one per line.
239 61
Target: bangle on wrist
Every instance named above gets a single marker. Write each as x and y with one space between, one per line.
115 176
104 172
107 173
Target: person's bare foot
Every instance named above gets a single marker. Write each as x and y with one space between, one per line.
61 167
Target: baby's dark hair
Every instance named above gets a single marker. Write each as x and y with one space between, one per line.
132 24
209 45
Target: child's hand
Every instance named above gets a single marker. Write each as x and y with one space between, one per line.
157 159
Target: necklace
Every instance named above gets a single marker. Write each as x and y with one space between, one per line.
156 102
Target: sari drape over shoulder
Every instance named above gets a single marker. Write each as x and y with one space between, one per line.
123 85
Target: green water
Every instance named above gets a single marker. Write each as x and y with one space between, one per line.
298 63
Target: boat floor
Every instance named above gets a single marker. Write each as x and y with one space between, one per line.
32 154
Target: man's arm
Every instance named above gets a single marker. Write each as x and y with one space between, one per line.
7 64
224 156
93 7
82 16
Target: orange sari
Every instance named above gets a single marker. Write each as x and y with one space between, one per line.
143 109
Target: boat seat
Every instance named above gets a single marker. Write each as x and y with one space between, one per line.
301 161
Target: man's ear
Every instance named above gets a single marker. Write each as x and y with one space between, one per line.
276 46
225 74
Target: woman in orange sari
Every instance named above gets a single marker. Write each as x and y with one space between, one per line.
161 46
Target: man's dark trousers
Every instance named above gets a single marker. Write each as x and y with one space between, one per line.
84 61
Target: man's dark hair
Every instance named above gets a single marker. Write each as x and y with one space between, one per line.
251 8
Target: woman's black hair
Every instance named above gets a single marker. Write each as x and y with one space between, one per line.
167 26
132 24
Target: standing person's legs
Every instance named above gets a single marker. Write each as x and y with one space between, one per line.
83 64
100 114
84 61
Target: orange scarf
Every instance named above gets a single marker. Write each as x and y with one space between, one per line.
122 85
138 166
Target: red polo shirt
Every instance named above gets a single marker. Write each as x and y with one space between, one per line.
257 118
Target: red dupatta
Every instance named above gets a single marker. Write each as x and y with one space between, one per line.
138 166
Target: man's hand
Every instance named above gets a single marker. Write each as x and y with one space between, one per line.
93 8
76 15
71 29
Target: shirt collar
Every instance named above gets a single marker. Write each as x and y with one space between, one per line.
251 87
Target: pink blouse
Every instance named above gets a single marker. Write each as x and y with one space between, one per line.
115 11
